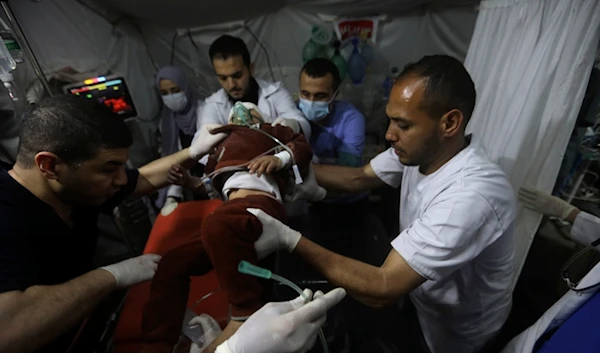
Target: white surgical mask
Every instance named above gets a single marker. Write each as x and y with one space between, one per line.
175 101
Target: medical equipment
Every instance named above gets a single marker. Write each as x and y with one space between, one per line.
7 65
111 91
249 269
210 190
195 332
240 109
207 180
243 117
565 269
25 44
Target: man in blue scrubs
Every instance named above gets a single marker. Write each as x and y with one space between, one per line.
338 138
339 128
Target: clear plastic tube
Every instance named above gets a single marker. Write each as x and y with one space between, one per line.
207 180
248 268
297 177
245 116
238 167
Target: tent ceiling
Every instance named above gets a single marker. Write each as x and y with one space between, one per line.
189 13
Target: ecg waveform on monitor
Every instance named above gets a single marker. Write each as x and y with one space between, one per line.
117 104
112 92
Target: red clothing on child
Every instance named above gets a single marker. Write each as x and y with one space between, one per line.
226 237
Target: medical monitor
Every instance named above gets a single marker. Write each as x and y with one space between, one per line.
111 91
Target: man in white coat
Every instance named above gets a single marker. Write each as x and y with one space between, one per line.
570 325
231 60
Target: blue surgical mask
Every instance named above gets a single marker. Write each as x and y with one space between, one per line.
175 101
314 111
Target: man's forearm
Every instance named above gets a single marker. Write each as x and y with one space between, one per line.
345 160
153 176
33 318
363 281
345 179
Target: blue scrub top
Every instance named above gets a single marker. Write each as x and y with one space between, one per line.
580 333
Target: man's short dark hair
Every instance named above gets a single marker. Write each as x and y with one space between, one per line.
448 85
71 127
227 46
320 67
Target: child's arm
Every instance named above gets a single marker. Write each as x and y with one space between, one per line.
301 149
302 152
179 175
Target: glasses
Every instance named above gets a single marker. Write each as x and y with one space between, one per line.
591 257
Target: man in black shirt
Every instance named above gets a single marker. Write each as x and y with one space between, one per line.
70 167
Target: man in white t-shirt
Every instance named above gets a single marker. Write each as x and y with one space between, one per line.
454 253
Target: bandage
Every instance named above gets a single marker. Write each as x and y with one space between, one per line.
285 158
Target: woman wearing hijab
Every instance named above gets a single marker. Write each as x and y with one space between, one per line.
178 122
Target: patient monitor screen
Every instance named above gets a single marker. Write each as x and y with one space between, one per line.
110 91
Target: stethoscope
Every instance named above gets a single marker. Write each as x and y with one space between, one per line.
565 272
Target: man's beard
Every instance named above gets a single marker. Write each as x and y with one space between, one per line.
426 154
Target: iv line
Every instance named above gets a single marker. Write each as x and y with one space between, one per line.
249 269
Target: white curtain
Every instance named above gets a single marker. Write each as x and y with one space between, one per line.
530 60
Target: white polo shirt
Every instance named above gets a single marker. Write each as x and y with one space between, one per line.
457 231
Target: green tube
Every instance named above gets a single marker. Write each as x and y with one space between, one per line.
250 269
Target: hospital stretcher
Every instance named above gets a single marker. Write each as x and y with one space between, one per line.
168 232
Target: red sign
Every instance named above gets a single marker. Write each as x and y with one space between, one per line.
365 28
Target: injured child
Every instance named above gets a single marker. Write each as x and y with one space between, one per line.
255 166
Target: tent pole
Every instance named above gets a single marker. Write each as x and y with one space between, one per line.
23 41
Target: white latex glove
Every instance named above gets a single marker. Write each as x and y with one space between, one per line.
287 327
135 270
291 123
211 330
544 203
169 206
309 189
204 142
275 235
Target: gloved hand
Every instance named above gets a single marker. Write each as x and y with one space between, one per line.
205 141
135 270
291 123
275 235
309 189
170 205
287 327
211 330
544 203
